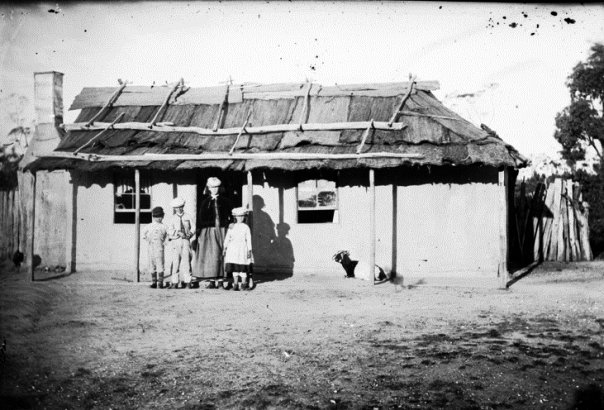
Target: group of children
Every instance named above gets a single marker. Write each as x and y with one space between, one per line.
179 233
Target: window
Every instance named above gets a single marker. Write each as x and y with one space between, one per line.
317 201
124 200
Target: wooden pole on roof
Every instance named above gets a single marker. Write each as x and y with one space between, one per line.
365 135
223 106
503 227
240 132
109 102
397 112
372 225
137 223
178 85
305 106
91 140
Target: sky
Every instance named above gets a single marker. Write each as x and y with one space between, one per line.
501 64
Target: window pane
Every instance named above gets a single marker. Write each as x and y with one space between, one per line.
307 194
327 194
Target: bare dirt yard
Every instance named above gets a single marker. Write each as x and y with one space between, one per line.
84 341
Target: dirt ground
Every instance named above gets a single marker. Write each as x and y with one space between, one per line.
84 341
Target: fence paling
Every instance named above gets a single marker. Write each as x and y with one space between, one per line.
560 229
9 223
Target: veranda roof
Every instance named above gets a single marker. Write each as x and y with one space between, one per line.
278 126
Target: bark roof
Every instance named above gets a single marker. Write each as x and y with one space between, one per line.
432 130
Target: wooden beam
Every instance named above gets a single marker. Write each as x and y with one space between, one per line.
137 223
240 132
503 227
180 83
223 156
266 129
396 113
223 106
91 140
365 135
372 225
305 106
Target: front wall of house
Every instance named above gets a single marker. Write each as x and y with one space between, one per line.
105 245
439 222
444 223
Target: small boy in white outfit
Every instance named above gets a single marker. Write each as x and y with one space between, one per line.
180 231
237 250
155 234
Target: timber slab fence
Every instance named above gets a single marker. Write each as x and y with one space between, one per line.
552 223
9 223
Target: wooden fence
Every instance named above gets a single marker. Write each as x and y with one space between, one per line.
552 223
11 223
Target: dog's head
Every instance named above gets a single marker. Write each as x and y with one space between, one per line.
339 256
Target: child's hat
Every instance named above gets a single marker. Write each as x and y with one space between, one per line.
157 211
177 202
241 211
213 182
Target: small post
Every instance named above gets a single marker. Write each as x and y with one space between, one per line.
250 200
137 223
33 224
372 225
503 227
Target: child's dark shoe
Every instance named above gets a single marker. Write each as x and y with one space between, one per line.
211 286
160 285
153 285
244 286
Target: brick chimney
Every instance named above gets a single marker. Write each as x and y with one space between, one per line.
48 102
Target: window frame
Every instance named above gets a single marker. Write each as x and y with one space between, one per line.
125 181
335 208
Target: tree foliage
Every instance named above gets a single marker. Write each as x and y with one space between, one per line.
581 124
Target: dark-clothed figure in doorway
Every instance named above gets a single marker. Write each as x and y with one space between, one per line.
212 221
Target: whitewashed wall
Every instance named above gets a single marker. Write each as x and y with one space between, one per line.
423 229
104 245
439 229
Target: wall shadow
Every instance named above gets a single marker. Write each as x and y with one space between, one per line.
272 247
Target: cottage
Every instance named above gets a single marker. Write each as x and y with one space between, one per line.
384 171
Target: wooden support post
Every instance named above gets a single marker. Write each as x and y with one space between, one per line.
3 237
250 201
372 225
74 222
503 227
137 223
32 223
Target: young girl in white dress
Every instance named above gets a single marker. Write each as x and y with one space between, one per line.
237 249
